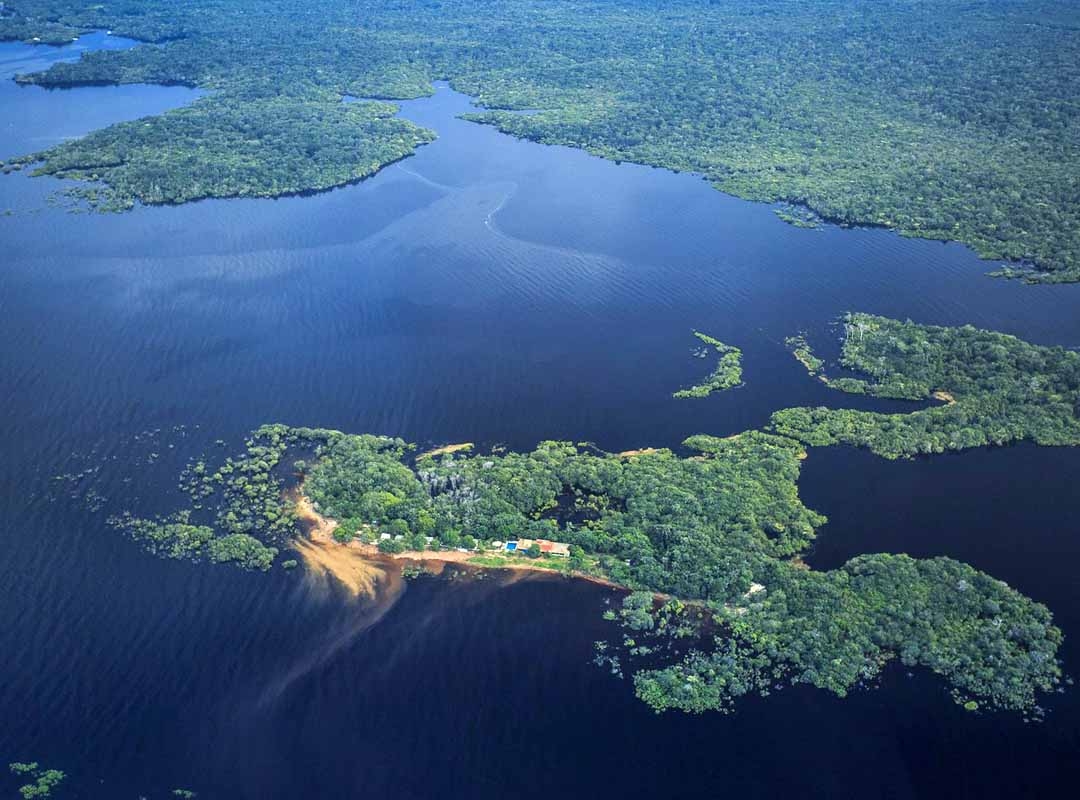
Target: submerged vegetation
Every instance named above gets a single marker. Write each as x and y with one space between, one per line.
838 629
940 120
721 529
990 388
41 781
728 372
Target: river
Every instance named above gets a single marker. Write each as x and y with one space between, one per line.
491 290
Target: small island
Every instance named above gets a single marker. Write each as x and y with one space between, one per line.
728 372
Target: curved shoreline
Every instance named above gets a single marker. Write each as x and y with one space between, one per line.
355 564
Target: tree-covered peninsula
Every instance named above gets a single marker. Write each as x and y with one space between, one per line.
938 119
987 388
721 528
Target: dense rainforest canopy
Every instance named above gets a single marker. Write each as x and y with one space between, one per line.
938 119
722 527
990 388
221 147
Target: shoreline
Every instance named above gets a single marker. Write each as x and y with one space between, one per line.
352 563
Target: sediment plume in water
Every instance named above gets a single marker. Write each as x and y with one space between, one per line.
376 587
359 574
356 573
373 584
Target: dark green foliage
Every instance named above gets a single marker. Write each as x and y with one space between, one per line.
942 120
14 26
391 546
249 487
249 509
231 147
728 372
719 528
722 528
995 389
684 525
177 539
363 477
837 629
800 348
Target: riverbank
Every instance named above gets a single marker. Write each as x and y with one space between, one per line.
360 566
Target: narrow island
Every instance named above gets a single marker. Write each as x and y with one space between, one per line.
728 372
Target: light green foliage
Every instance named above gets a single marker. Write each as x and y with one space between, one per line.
803 353
246 551
728 372
721 527
1002 390
362 479
172 539
636 611
941 120
799 216
43 780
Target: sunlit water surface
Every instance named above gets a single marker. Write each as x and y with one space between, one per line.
490 290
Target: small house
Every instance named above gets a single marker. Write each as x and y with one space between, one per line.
560 549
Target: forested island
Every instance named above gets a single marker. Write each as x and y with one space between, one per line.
990 389
939 120
719 528
224 146
726 375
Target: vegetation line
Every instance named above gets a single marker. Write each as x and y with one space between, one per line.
720 532
923 117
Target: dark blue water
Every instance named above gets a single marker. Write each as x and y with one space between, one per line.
491 290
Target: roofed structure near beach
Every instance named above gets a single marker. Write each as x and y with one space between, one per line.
554 548
561 549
